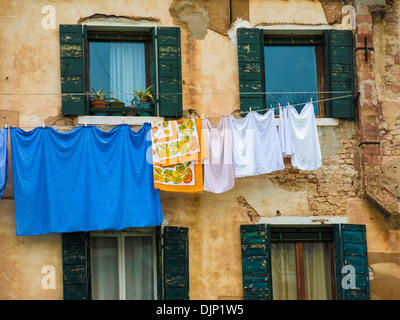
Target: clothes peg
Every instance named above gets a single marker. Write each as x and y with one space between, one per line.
250 109
123 122
271 106
311 100
279 106
202 116
85 124
43 124
5 126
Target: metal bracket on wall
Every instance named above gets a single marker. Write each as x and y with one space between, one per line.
369 142
366 48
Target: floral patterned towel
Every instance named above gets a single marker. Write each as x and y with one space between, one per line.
177 154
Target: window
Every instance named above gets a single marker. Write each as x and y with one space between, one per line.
304 263
302 269
123 265
120 60
294 64
139 263
287 62
118 63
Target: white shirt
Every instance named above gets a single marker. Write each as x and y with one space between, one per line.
218 168
256 147
305 141
285 133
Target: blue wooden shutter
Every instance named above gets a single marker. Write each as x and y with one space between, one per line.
350 246
73 69
256 261
176 263
75 257
250 44
339 72
165 70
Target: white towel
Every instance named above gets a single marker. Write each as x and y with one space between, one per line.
305 141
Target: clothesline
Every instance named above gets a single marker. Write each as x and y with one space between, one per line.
213 116
299 104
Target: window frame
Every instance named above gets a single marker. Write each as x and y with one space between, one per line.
339 80
299 236
113 35
165 71
315 40
121 235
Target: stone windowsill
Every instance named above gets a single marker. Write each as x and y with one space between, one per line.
113 121
138 121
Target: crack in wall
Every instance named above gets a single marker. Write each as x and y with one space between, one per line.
248 209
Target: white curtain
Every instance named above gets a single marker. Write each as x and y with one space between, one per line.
104 268
317 271
283 263
139 268
136 274
127 69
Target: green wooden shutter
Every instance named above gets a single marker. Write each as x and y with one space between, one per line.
73 69
166 71
339 73
350 246
256 262
250 44
159 246
176 263
75 257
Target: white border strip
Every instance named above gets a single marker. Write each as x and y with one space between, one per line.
301 220
113 121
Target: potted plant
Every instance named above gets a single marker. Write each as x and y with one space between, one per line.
116 104
144 100
99 99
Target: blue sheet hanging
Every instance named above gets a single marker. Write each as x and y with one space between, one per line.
83 180
3 159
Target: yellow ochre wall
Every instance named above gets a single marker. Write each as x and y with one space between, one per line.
30 92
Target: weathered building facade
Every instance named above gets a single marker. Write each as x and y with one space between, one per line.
357 183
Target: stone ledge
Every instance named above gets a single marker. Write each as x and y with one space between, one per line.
110 120
302 220
138 121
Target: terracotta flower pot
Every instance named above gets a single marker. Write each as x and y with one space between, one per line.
99 104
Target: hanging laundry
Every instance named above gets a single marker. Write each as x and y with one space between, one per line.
218 167
3 159
256 147
177 153
176 142
284 132
83 180
306 148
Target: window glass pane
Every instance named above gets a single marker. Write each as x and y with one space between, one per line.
291 69
118 67
104 268
283 263
139 268
317 271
